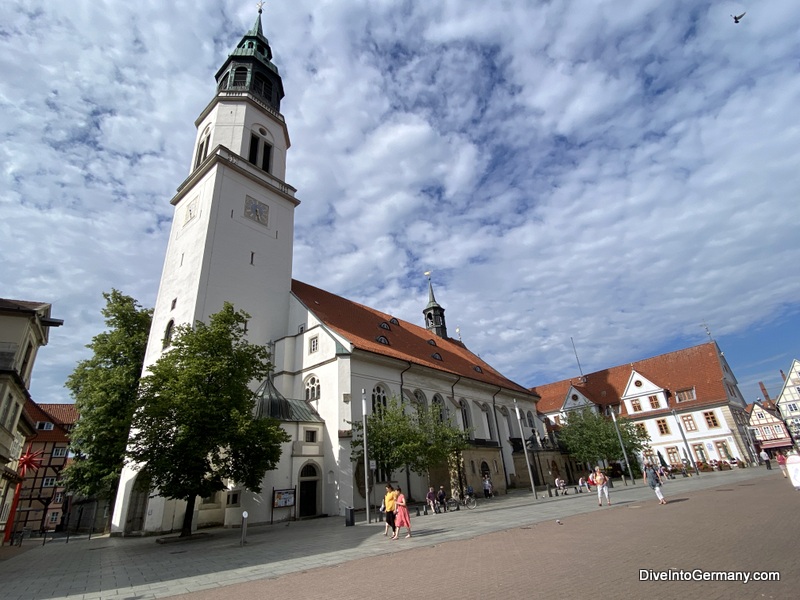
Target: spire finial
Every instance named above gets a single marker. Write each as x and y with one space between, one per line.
259 4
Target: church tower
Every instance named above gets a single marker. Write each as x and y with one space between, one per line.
233 225
232 229
434 314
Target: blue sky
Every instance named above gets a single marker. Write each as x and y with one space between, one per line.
613 172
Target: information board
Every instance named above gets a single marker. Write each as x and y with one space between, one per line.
283 498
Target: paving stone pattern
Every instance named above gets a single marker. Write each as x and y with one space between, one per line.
509 546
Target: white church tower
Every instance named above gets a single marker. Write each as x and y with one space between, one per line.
232 232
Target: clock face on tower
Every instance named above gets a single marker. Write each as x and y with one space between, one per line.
255 210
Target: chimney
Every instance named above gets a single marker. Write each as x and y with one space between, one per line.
764 391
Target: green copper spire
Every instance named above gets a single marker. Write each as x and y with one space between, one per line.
434 313
249 68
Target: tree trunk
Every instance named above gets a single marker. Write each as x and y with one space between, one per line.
186 530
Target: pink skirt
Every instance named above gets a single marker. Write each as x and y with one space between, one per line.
401 517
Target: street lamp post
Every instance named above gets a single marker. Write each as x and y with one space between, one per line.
685 443
366 461
525 449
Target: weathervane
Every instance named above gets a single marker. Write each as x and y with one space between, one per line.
427 274
259 4
708 331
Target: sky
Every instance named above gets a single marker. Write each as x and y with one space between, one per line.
616 174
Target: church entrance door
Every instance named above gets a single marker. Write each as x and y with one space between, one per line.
309 480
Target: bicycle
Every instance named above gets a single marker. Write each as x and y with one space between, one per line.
468 501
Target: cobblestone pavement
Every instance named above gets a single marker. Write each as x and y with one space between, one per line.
743 520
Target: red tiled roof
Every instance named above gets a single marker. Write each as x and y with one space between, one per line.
66 414
698 367
62 416
360 325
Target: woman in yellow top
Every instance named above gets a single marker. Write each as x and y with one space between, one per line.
389 503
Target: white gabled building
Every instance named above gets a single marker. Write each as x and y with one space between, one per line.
689 393
788 401
232 240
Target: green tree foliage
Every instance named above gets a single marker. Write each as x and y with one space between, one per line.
195 428
590 437
105 389
399 436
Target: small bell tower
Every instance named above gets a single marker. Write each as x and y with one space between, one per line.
434 314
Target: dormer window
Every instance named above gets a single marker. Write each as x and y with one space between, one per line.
385 326
394 321
382 339
44 426
432 342
477 369
436 356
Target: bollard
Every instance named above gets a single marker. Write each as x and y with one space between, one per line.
424 510
244 528
418 511
549 491
349 516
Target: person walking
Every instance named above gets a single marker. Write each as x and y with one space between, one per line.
402 518
601 481
653 479
765 457
781 460
487 487
390 504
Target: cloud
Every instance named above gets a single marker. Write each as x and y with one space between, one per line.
613 172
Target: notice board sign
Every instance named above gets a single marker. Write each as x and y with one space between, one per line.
283 498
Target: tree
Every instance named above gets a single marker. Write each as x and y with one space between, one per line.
105 389
195 427
417 439
589 436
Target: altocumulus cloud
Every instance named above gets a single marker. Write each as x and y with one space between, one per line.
607 171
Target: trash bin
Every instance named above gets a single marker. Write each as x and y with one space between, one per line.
349 516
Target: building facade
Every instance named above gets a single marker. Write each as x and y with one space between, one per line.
687 401
43 503
788 401
24 328
232 241
769 431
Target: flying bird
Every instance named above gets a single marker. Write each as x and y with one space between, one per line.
739 18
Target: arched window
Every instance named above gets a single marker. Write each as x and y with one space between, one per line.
202 148
263 87
312 388
419 400
223 83
240 77
260 152
531 422
378 398
308 470
489 421
466 417
437 406
168 332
